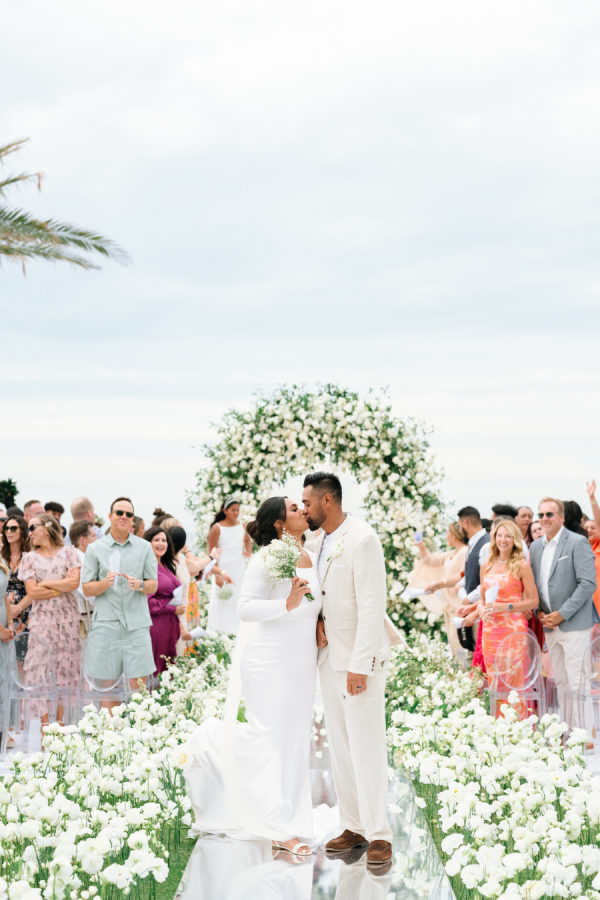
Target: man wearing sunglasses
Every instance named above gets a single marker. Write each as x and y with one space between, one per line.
565 574
120 570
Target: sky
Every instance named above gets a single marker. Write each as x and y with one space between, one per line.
379 195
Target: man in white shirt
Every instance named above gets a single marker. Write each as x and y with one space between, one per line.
81 535
565 574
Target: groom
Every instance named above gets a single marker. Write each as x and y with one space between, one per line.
351 570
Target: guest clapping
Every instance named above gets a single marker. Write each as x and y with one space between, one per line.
452 564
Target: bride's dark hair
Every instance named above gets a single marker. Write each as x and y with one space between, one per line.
262 528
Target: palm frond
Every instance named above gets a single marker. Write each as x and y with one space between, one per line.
24 237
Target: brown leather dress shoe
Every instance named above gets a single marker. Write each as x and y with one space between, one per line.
345 841
378 853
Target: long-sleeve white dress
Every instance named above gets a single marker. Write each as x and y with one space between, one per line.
251 779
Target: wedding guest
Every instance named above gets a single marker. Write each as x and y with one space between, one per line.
478 539
50 572
33 508
165 630
139 527
536 530
228 534
452 563
159 517
574 517
184 573
55 509
524 518
3 517
592 526
81 535
7 634
504 509
565 575
119 570
506 568
15 542
83 508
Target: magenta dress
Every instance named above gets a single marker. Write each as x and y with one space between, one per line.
165 624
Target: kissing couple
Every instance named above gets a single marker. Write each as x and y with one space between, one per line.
250 779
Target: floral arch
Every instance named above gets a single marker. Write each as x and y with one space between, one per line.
292 431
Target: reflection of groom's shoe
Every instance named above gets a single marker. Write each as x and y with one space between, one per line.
348 840
379 853
349 857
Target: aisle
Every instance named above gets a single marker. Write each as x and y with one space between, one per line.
224 869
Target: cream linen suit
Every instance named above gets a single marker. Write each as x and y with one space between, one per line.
354 599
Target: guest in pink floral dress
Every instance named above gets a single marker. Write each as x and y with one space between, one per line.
51 574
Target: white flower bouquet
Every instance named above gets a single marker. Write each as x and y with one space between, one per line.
225 592
281 559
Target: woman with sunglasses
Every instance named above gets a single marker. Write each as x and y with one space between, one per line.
15 542
50 573
6 635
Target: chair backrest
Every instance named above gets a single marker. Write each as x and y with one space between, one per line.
589 681
518 662
89 682
29 651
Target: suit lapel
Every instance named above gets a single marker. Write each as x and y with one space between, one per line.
343 530
559 549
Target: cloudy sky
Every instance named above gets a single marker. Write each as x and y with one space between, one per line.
373 194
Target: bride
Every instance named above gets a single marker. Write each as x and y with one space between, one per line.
251 779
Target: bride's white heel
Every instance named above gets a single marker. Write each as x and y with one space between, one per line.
300 849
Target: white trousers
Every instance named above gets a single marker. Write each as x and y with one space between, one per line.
567 650
356 733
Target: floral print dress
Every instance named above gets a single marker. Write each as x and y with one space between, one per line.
55 621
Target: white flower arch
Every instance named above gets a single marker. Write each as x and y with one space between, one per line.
293 431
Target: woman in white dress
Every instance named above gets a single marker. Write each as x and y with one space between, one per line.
227 534
251 779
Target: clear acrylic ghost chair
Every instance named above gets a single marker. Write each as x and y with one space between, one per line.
22 687
518 667
585 705
100 692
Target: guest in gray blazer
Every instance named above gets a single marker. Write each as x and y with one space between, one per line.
565 575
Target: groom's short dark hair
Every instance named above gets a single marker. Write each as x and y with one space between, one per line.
327 482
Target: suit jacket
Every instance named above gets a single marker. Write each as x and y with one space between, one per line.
572 580
354 596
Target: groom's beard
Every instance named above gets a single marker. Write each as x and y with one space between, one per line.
313 526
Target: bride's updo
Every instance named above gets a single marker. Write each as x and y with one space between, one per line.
262 529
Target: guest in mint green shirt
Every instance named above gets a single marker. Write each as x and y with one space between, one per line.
119 571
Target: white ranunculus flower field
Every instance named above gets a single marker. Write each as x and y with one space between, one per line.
103 812
511 804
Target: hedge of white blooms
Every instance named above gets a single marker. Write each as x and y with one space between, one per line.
97 814
511 804
293 431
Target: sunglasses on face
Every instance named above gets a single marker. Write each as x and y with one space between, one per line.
33 527
3 519
123 512
12 528
548 515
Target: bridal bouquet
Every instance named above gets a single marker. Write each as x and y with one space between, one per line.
281 559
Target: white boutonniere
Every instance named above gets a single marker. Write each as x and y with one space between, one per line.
336 551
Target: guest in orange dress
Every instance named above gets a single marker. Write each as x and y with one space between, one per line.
506 568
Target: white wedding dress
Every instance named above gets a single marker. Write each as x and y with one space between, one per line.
251 779
223 614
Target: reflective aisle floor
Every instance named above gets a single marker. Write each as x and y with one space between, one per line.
225 869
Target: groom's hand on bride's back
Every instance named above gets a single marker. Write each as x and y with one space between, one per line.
357 684
321 636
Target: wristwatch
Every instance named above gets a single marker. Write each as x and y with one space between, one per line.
511 607
141 588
